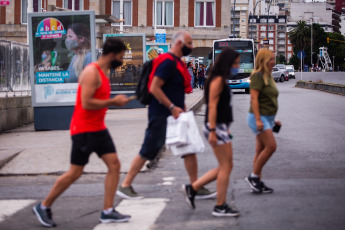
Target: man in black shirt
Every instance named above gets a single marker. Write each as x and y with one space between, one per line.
170 81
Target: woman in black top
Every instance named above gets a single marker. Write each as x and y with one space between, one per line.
217 123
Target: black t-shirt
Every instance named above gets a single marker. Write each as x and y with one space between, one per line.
173 88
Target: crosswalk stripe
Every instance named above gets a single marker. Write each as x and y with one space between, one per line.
144 213
10 207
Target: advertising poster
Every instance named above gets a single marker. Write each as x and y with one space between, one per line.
126 77
155 49
61 46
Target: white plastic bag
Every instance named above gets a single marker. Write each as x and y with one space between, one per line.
195 143
176 133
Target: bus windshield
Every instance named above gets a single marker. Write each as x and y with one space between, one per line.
245 48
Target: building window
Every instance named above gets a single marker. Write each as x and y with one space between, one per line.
271 41
271 28
37 5
243 27
262 27
263 35
282 20
73 4
271 48
263 20
165 13
289 48
204 13
270 35
271 20
127 12
243 20
244 12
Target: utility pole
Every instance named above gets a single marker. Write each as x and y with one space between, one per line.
333 64
251 27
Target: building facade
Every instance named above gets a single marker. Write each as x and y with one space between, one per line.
206 20
271 28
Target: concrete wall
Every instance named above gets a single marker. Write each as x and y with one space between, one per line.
338 89
15 112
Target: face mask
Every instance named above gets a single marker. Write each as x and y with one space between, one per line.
71 44
44 56
234 71
114 64
186 50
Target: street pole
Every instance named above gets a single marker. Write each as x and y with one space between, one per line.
30 10
121 16
155 27
311 47
301 67
268 13
233 19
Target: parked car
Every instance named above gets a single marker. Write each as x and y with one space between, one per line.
283 68
291 71
278 74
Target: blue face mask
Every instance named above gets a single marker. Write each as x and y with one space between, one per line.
44 56
234 71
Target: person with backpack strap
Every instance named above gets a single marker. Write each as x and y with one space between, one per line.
168 82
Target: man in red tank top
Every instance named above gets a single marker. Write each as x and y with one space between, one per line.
89 134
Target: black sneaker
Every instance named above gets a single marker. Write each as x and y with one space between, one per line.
266 189
44 216
224 210
114 216
254 183
189 194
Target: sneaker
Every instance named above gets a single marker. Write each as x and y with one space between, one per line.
224 210
254 183
189 194
44 216
128 193
266 189
114 216
204 193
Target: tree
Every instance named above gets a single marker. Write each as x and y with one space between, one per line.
300 36
336 48
280 59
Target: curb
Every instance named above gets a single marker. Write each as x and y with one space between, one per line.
196 106
329 88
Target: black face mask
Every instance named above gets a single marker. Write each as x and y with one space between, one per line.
186 50
114 64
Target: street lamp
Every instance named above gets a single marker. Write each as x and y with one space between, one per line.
233 19
311 47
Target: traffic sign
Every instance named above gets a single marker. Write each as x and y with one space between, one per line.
301 54
4 3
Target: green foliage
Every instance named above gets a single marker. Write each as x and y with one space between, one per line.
280 59
337 49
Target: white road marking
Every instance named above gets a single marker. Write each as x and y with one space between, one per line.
168 178
144 214
10 207
167 183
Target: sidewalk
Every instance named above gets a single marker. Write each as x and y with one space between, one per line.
24 151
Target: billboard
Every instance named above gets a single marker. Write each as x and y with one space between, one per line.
125 78
61 44
155 49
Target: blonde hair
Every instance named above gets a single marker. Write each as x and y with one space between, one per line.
261 64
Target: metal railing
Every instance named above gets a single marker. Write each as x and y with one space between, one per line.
14 69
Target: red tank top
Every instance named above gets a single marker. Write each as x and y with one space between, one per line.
84 120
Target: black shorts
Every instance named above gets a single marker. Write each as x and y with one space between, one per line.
154 137
84 144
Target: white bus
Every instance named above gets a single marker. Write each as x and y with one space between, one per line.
247 50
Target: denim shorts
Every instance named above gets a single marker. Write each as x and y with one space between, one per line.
268 122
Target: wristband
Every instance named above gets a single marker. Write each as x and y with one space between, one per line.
172 106
212 130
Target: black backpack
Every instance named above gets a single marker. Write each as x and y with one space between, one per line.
142 92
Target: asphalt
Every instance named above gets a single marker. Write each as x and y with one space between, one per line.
25 151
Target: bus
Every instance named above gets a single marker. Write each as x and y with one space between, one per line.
247 62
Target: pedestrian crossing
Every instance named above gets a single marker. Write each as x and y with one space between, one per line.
144 212
10 207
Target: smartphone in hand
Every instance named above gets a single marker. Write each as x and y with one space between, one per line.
276 128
